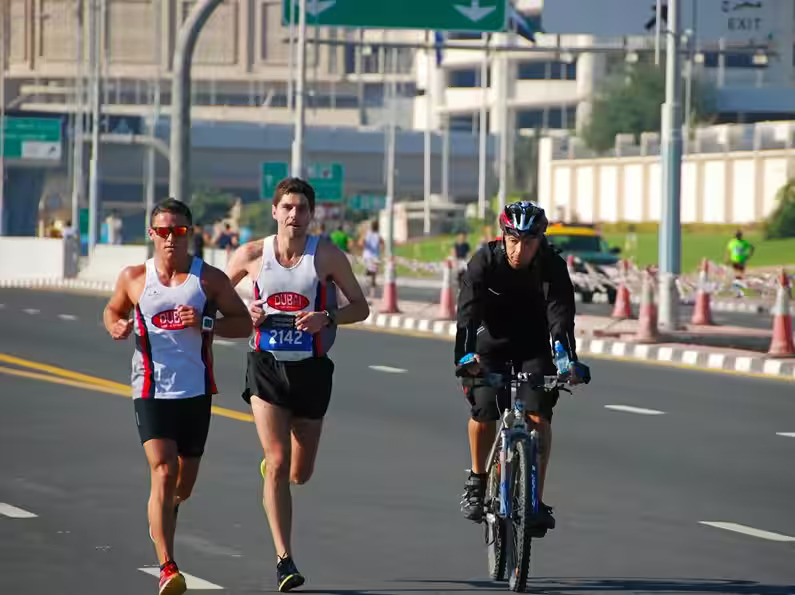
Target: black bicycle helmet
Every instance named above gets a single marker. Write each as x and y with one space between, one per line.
523 219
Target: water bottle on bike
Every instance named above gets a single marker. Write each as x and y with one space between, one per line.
562 361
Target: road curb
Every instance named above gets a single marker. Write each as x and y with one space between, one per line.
83 284
684 356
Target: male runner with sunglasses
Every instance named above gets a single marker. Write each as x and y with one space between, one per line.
289 374
516 293
175 297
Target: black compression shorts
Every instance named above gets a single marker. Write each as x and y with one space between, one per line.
487 402
186 421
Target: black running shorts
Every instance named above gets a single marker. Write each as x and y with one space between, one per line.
487 402
303 387
186 421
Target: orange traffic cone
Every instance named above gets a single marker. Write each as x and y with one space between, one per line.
647 318
622 308
389 300
781 344
701 312
446 302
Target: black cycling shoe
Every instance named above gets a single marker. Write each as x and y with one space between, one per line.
472 498
545 518
287 575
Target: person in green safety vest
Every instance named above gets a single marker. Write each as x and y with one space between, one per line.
739 251
341 239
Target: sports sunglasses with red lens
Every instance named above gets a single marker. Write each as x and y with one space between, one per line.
177 230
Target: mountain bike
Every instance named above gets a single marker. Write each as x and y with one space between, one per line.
511 501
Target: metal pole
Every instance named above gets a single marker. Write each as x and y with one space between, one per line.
78 183
504 128
688 87
670 232
290 57
657 30
446 158
484 131
3 42
359 80
95 53
297 167
427 143
151 162
390 173
179 170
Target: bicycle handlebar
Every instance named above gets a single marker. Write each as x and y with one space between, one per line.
535 381
547 382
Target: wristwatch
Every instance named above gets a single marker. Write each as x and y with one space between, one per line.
332 317
208 324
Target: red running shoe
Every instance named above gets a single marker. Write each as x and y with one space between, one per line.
171 580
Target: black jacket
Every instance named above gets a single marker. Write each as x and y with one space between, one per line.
511 313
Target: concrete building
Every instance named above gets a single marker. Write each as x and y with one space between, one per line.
241 75
240 68
553 89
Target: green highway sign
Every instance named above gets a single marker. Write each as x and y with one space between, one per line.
366 202
272 173
439 15
32 138
328 180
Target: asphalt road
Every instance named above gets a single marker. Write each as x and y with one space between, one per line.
759 321
631 487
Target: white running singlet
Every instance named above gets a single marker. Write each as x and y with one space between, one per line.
171 361
288 291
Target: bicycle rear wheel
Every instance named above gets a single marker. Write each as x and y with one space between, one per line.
524 479
495 525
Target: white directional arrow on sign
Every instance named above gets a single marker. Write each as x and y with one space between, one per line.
475 12
316 7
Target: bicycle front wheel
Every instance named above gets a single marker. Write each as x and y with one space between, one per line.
524 480
495 525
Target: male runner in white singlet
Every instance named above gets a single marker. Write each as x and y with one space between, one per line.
175 297
289 375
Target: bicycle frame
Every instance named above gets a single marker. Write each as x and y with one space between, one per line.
513 427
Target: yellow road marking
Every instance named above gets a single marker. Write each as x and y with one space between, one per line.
18 361
65 381
85 381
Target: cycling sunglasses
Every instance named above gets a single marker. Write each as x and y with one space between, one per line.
177 230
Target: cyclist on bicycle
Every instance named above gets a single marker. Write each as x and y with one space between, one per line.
516 293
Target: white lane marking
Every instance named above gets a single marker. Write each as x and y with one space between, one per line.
223 342
786 434
638 410
31 311
769 535
206 546
388 369
14 512
67 316
193 582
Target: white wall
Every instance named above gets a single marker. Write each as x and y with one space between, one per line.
730 187
32 258
108 260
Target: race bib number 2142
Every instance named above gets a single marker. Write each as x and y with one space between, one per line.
284 337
